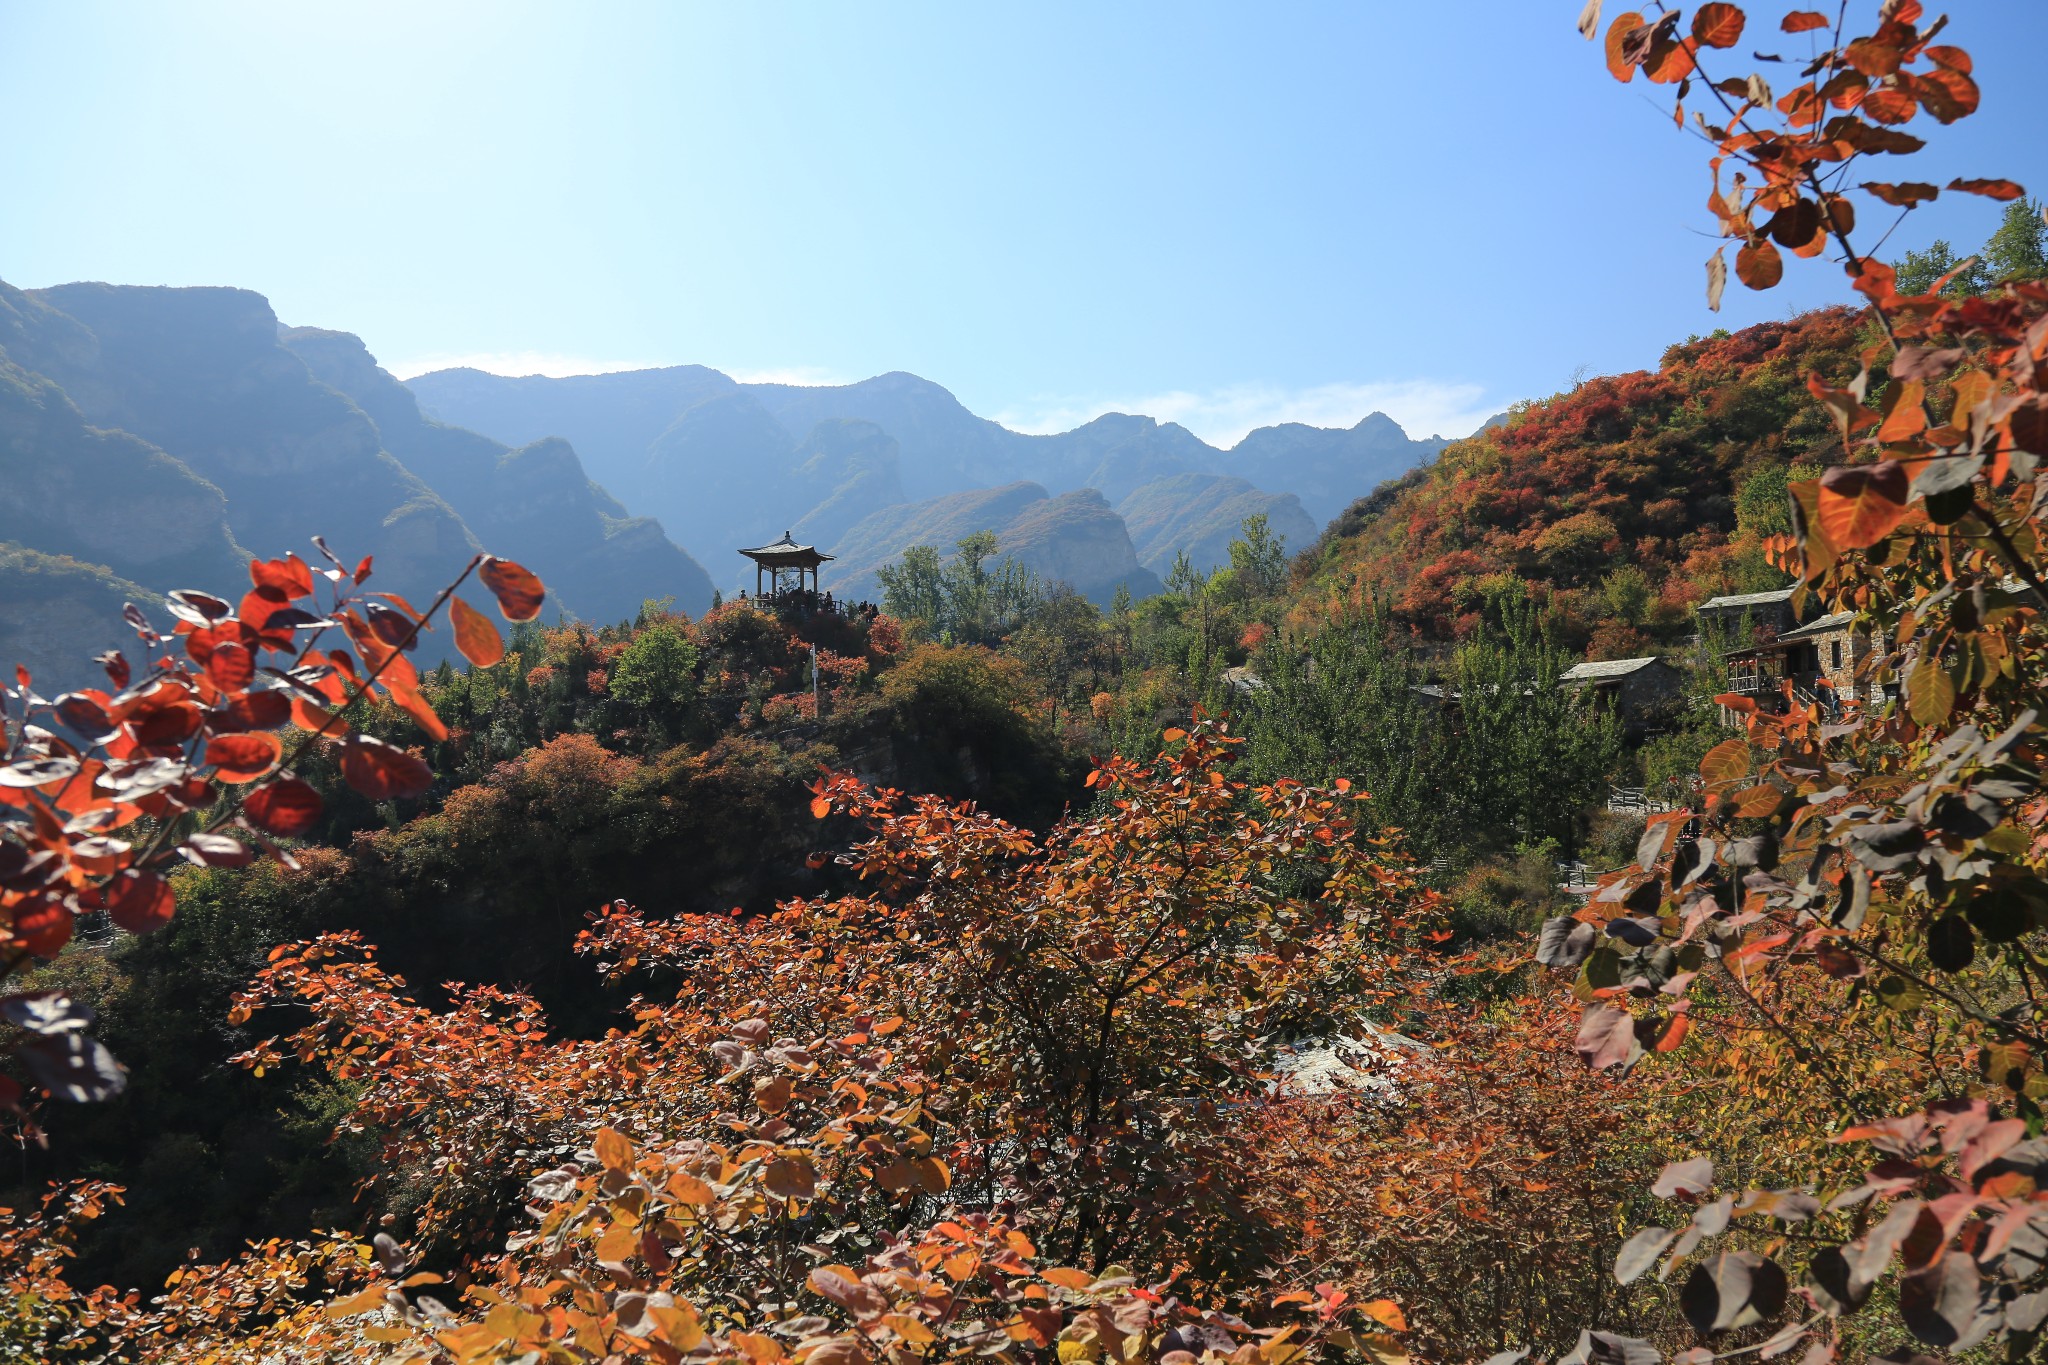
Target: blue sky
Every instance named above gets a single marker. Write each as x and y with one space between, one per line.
1220 214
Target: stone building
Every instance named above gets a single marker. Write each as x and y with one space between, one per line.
1643 692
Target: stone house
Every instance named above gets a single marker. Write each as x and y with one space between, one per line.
1643 692
1820 660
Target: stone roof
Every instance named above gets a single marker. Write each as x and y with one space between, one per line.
1747 599
1591 671
1820 627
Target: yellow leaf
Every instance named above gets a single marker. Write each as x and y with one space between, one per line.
368 1301
678 1325
1067 1278
790 1177
1382 1349
617 1244
1387 1313
614 1149
910 1329
1726 762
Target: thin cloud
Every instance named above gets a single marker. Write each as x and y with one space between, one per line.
800 376
1222 417
517 364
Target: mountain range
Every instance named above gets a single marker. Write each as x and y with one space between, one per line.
866 469
155 438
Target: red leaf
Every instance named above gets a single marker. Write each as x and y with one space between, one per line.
1860 504
363 569
381 771
216 850
1803 20
288 576
475 636
1717 25
1890 104
2001 190
243 757
287 808
1947 93
85 713
45 926
1607 1038
518 592
231 666
140 902
259 710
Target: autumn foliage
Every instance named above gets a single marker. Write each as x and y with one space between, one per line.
1202 1071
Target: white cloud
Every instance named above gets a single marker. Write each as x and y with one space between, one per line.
517 364
802 376
1423 407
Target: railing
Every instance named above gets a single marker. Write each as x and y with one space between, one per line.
1639 800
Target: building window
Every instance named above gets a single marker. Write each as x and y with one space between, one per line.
1838 655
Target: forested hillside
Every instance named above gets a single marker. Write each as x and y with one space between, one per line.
1630 498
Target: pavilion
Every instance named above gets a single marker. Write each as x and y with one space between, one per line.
785 563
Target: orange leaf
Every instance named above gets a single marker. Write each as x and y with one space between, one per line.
1803 20
518 592
1904 195
1717 25
2001 190
1066 1278
475 636
416 706
1726 762
1905 415
1618 33
1860 504
1759 265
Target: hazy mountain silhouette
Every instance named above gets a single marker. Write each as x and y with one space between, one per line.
735 463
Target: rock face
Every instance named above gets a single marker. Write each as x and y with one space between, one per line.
1075 539
153 439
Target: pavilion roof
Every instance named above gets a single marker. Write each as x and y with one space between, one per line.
786 552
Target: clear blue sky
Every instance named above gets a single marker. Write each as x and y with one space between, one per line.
1222 213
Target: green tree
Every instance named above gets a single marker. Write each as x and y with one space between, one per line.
2018 250
1259 558
1529 758
1059 643
657 674
1347 704
913 588
1921 269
